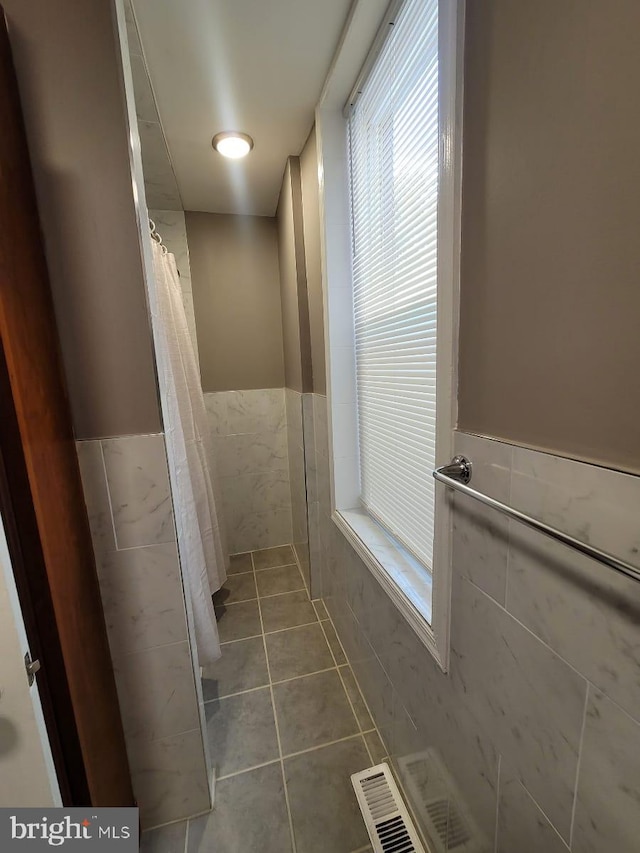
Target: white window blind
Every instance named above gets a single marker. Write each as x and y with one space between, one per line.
394 142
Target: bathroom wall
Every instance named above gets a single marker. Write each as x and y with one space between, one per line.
293 282
294 403
550 255
250 444
314 468
313 262
317 467
530 741
146 605
531 736
67 64
71 75
236 294
297 346
236 290
130 510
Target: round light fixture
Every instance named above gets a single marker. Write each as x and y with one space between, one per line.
231 143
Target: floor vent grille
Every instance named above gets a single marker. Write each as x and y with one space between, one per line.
387 819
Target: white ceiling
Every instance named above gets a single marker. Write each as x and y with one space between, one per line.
251 65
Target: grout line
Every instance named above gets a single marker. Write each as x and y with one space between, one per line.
276 594
507 571
499 782
241 639
578 763
108 490
543 813
344 687
275 720
186 837
320 619
531 632
366 746
247 769
283 566
590 684
168 822
366 704
138 547
268 633
289 592
295 553
304 675
231 603
292 628
322 745
118 658
264 686
238 693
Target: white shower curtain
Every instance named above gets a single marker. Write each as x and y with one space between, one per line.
202 550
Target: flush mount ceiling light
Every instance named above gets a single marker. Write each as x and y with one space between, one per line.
232 143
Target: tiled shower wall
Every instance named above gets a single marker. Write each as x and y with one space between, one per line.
250 439
296 453
534 733
318 487
128 499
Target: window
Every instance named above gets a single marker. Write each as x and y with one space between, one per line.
390 167
394 166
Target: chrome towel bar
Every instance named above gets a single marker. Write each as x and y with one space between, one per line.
457 475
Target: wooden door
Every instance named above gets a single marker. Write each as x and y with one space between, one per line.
60 585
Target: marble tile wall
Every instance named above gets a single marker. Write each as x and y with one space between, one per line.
171 226
250 440
128 499
294 402
316 441
533 736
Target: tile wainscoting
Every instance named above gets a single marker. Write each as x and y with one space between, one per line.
534 734
128 499
294 402
252 459
316 441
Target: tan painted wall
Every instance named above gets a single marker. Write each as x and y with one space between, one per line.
236 298
293 281
550 295
311 221
68 72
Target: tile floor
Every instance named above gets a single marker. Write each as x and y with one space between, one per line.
287 723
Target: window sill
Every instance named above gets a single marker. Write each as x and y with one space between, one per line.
405 581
